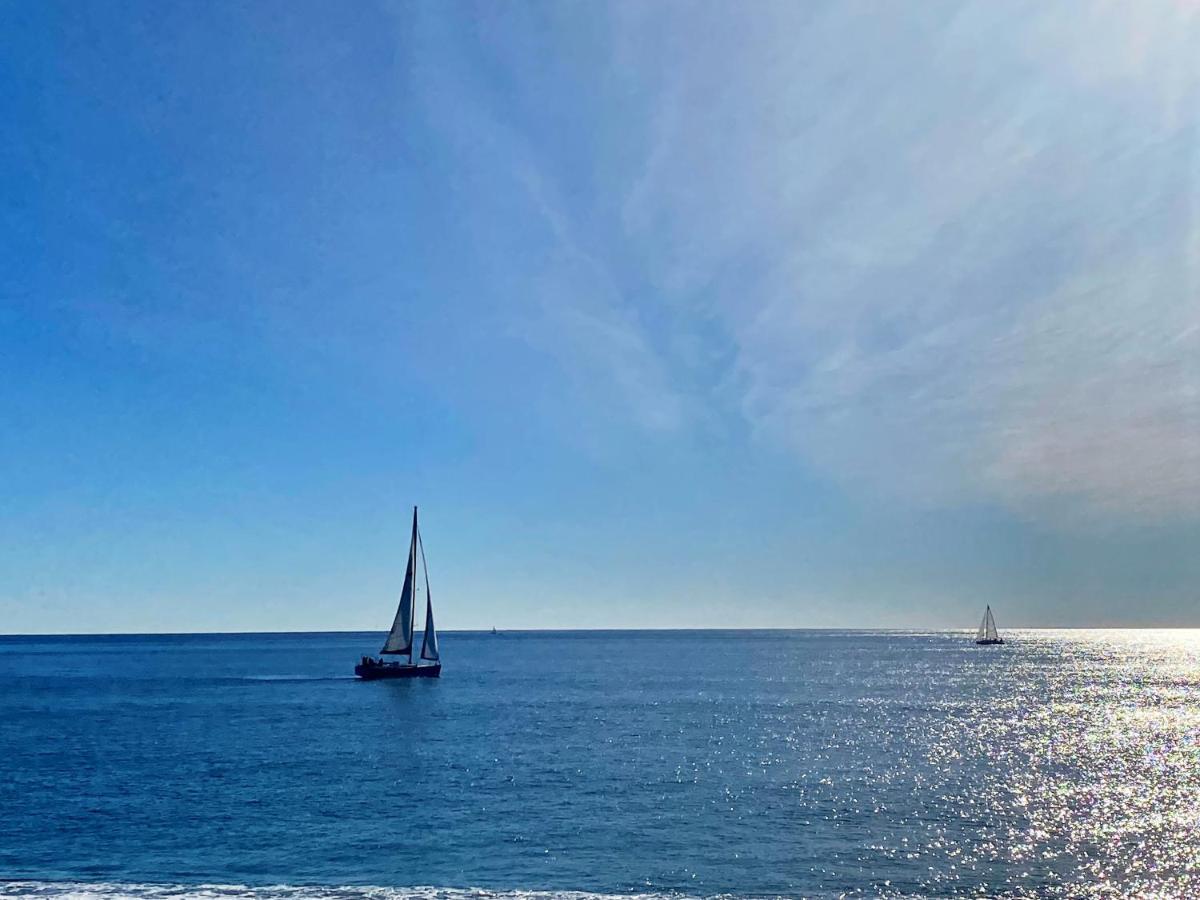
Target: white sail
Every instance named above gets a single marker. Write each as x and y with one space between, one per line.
400 638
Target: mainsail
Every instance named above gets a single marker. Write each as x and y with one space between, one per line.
987 628
400 638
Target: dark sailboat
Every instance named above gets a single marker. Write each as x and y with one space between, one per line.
400 640
987 633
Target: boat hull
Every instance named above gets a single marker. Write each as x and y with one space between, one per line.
376 671
990 642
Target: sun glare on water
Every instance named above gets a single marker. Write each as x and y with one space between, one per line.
1092 738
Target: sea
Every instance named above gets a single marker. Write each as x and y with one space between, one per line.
651 764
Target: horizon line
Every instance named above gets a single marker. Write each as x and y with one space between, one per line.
608 630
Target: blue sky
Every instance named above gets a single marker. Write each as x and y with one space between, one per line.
668 315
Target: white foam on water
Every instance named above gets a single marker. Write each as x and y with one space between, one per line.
74 890
86 890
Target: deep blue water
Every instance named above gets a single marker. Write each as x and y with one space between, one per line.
700 763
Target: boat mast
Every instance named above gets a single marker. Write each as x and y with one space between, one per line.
412 598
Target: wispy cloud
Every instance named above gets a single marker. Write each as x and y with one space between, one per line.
955 252
563 297
582 319
945 251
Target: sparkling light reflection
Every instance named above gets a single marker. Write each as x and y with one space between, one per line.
1088 745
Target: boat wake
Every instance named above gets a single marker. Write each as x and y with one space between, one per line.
292 678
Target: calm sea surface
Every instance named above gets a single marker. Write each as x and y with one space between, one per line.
668 763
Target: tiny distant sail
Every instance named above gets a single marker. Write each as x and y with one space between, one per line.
429 647
987 633
400 638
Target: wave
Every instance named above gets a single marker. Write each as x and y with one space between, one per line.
79 890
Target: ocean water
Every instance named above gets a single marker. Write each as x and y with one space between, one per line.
682 764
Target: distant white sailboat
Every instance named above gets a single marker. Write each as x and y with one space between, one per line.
987 633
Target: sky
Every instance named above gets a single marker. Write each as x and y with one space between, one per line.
666 314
